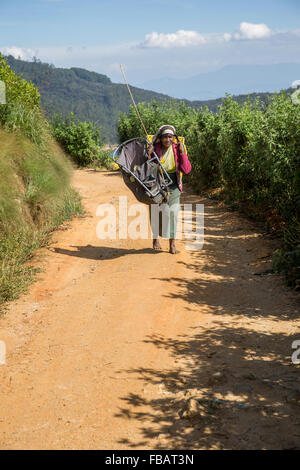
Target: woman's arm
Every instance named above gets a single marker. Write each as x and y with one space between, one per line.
184 163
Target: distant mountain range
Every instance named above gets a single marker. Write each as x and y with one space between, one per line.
93 97
89 95
234 79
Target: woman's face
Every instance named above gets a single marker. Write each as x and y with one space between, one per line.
167 140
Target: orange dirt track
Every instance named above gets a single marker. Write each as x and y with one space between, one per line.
116 346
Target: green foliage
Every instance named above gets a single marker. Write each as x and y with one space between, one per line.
15 276
91 76
93 97
288 263
80 139
104 160
18 90
30 122
22 113
154 115
35 197
249 150
35 193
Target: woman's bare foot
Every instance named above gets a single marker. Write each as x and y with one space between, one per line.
173 247
156 244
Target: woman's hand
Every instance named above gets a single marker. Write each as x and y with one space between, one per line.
150 150
181 148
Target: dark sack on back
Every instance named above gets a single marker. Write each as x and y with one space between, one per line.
149 176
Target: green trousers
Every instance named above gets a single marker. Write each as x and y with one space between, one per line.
163 218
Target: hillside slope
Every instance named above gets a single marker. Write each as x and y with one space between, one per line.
92 96
35 197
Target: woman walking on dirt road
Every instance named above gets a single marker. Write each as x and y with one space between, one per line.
175 161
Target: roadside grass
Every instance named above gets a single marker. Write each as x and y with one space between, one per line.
15 274
35 191
35 198
30 122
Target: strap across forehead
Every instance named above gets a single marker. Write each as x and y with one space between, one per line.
166 129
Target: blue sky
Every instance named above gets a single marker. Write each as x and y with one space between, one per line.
152 39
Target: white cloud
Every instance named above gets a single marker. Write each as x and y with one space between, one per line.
227 36
67 53
181 38
199 53
252 31
19 52
296 83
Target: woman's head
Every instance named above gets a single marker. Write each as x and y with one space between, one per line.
167 139
165 135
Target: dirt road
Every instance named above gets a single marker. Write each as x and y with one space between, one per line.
119 347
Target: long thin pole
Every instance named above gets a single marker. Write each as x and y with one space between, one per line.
136 108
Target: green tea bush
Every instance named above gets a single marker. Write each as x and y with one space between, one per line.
203 151
80 139
154 115
251 151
